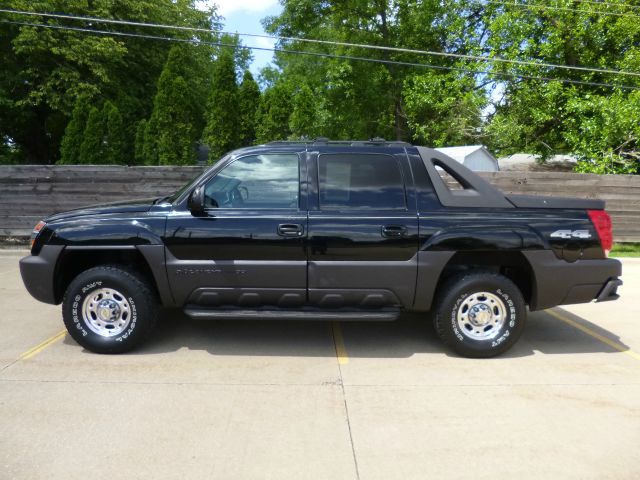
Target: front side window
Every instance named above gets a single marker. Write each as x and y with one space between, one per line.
256 182
359 182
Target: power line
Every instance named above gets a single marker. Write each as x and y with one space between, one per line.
322 55
530 6
607 4
336 43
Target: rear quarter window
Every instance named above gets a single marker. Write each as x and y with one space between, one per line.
360 182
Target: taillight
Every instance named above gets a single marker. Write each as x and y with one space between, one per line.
602 223
36 231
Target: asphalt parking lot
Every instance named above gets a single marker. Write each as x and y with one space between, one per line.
281 400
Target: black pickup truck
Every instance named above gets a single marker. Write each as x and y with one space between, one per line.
325 231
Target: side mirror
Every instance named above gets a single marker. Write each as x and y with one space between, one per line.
196 201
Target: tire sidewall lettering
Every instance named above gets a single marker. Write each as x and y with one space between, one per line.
454 321
132 323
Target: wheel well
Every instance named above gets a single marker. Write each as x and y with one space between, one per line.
72 263
512 265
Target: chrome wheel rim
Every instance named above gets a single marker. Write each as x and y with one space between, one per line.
106 312
481 316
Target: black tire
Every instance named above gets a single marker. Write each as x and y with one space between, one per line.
129 298
479 314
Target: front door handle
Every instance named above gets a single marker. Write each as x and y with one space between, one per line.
290 230
394 231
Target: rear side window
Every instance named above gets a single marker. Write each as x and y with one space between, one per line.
360 182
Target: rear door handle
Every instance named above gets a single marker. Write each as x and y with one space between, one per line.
290 230
394 231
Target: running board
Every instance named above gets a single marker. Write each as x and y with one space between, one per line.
316 314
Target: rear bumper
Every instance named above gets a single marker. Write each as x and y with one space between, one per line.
609 290
38 273
558 282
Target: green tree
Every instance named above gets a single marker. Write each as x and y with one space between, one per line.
177 117
443 109
44 71
221 132
139 142
92 148
174 122
73 135
356 99
551 116
302 121
273 113
150 144
604 132
248 103
115 136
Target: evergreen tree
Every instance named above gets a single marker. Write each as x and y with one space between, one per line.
248 103
115 136
150 143
303 117
273 114
175 125
221 132
92 149
139 142
193 64
45 71
73 134
177 117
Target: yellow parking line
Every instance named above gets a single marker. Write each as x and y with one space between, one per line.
338 341
40 347
615 345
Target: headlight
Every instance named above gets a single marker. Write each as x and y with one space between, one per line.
36 230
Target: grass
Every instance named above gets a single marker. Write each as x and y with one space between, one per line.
626 250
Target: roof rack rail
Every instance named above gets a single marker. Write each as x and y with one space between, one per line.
326 141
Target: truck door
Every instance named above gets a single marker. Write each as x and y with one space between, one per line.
249 246
363 230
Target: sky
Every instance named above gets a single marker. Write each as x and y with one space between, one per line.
243 16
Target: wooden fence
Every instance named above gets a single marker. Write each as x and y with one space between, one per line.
30 193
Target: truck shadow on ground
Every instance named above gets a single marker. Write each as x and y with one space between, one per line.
412 334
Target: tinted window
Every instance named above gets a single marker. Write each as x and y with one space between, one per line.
254 182
360 182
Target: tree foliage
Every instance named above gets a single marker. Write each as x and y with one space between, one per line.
115 137
355 99
272 117
248 102
545 117
221 130
302 120
177 118
45 71
69 95
73 135
92 148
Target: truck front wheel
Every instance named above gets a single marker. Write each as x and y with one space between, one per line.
479 314
108 309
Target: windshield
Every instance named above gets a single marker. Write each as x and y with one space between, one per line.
173 197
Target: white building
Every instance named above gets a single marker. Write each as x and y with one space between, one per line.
474 157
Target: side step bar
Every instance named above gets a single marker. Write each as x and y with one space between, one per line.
316 314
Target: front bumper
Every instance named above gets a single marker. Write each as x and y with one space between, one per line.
38 273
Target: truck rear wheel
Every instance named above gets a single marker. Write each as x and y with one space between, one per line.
108 309
479 314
